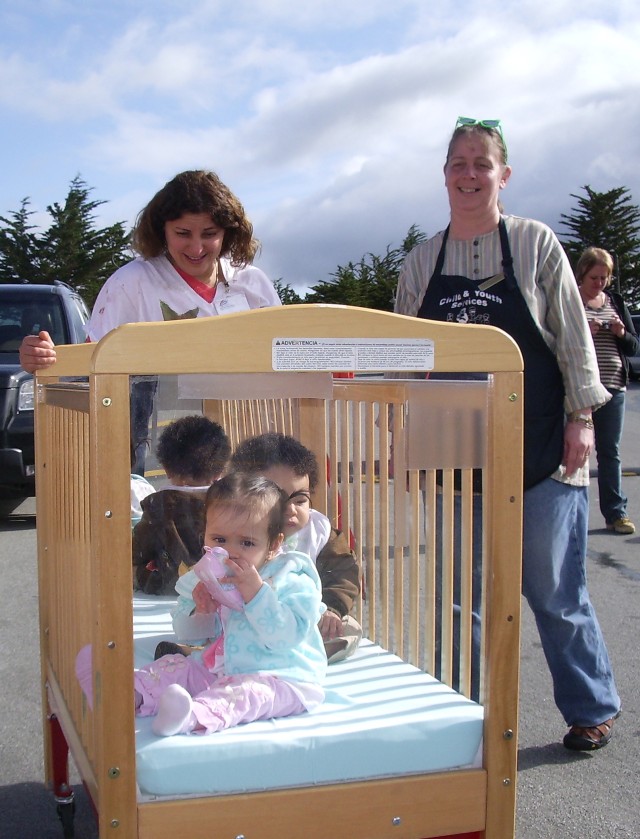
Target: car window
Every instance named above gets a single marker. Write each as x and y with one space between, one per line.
79 315
21 315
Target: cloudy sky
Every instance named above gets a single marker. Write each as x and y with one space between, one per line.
328 119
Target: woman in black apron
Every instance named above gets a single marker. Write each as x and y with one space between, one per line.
512 273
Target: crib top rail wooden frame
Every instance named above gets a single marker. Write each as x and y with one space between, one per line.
82 463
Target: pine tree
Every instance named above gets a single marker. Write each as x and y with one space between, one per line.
371 282
608 220
18 246
72 249
287 295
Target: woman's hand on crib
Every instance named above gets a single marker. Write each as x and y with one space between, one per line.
37 351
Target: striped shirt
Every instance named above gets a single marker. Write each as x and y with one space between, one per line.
605 342
548 286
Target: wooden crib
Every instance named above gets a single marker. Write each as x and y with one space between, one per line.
401 450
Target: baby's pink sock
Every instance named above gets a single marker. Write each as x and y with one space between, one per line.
175 715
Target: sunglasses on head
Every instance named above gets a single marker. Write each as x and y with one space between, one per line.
494 124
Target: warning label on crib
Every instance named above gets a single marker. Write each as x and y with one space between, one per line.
346 354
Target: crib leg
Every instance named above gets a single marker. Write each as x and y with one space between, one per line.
63 793
66 814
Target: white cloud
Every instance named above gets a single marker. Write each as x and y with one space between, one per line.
330 121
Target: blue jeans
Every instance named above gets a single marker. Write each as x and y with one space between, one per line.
608 421
555 585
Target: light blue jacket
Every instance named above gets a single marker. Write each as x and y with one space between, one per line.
277 631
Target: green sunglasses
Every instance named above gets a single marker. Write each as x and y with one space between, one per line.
494 124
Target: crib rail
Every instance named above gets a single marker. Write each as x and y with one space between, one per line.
64 543
376 493
403 458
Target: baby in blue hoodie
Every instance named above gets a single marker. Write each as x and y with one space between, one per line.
266 658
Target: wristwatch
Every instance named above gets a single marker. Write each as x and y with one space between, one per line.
583 419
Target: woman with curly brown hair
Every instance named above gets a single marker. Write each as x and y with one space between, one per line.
195 246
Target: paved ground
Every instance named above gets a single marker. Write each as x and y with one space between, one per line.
561 795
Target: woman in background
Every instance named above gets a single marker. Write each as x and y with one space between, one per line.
615 340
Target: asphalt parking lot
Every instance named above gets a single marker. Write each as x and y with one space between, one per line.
561 794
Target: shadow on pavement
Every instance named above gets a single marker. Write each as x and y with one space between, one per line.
606 560
553 754
16 511
22 522
43 821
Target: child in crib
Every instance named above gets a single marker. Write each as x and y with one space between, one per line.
266 659
294 468
194 451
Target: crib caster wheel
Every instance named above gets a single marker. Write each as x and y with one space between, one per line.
66 812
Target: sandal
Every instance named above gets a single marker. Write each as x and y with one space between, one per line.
587 738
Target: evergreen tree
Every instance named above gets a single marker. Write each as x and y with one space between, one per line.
371 282
72 249
18 245
287 295
608 220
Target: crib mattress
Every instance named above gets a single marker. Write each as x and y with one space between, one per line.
381 717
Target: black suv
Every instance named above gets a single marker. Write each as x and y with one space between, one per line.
27 309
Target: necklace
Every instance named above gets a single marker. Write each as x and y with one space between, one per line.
220 277
596 302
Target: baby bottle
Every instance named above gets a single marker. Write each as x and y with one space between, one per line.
210 568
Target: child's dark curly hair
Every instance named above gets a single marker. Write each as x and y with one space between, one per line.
194 448
257 454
